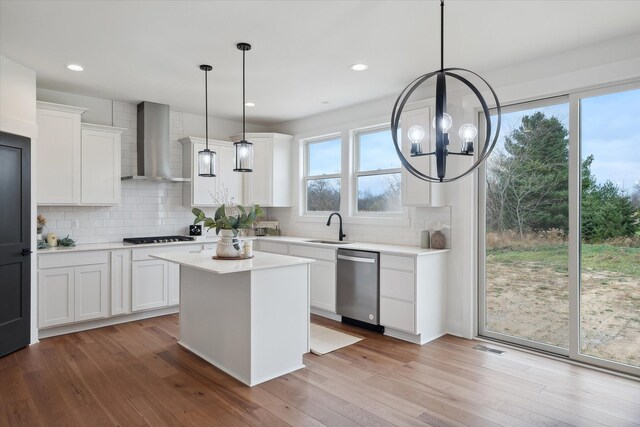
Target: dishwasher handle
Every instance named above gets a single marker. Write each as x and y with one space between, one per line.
357 259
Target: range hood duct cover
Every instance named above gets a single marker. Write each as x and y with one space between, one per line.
154 151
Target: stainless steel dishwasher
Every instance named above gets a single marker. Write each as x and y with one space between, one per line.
358 288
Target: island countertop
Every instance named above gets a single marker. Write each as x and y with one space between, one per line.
203 261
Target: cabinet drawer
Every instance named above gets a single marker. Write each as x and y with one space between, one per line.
397 314
143 253
397 284
313 252
72 259
397 262
273 247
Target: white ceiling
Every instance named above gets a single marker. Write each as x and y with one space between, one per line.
150 50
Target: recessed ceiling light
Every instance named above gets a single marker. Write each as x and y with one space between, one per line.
75 67
249 104
359 67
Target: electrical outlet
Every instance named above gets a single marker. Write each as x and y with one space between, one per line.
75 223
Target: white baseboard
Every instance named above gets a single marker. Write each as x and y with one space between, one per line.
78 327
326 314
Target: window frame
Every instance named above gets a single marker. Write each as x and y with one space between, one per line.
357 173
306 177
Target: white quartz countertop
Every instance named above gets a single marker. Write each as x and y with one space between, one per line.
203 261
364 246
375 247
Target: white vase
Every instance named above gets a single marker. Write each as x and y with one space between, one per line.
229 246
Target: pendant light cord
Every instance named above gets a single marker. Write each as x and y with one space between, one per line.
206 110
441 35
243 101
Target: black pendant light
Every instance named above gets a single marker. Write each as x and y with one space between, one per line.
442 121
244 149
206 157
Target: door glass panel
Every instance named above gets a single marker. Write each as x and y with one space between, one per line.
527 222
610 230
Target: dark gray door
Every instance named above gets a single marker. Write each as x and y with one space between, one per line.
15 238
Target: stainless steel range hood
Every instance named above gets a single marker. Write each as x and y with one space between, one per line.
154 151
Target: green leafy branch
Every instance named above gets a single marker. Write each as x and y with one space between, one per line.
220 220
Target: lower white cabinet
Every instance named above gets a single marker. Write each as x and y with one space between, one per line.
174 283
72 294
56 290
323 285
120 282
412 297
150 284
323 275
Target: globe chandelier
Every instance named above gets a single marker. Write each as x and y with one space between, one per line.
443 122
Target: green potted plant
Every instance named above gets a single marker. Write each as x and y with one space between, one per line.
228 226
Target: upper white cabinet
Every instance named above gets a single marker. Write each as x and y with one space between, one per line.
416 192
270 182
202 191
59 154
101 164
78 163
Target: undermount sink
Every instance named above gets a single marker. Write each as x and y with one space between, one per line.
330 242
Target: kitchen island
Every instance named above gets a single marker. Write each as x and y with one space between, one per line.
249 318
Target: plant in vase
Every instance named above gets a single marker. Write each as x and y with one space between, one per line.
228 225
41 222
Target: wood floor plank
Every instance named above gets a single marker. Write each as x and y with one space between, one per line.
135 374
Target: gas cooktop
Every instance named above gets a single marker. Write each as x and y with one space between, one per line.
159 239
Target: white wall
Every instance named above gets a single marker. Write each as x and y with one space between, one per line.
18 116
599 64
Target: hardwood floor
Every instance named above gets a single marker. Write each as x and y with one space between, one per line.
135 374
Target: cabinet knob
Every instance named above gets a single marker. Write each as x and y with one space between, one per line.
26 252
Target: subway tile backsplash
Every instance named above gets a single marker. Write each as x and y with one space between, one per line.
146 208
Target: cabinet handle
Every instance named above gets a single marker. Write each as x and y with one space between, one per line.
26 252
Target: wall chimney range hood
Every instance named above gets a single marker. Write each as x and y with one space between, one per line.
154 151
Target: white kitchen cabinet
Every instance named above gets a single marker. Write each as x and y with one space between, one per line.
91 292
412 297
156 283
78 163
269 184
101 164
416 192
149 284
72 291
59 154
323 275
120 282
56 300
202 191
174 283
271 247
323 285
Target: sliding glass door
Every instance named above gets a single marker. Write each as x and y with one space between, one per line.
559 221
526 225
608 323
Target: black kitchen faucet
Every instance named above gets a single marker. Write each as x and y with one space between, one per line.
341 235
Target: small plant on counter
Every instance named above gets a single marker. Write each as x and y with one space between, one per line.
67 242
221 221
42 244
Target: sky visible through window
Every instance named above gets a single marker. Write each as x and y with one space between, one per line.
610 131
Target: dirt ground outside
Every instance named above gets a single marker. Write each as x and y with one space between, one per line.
527 296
